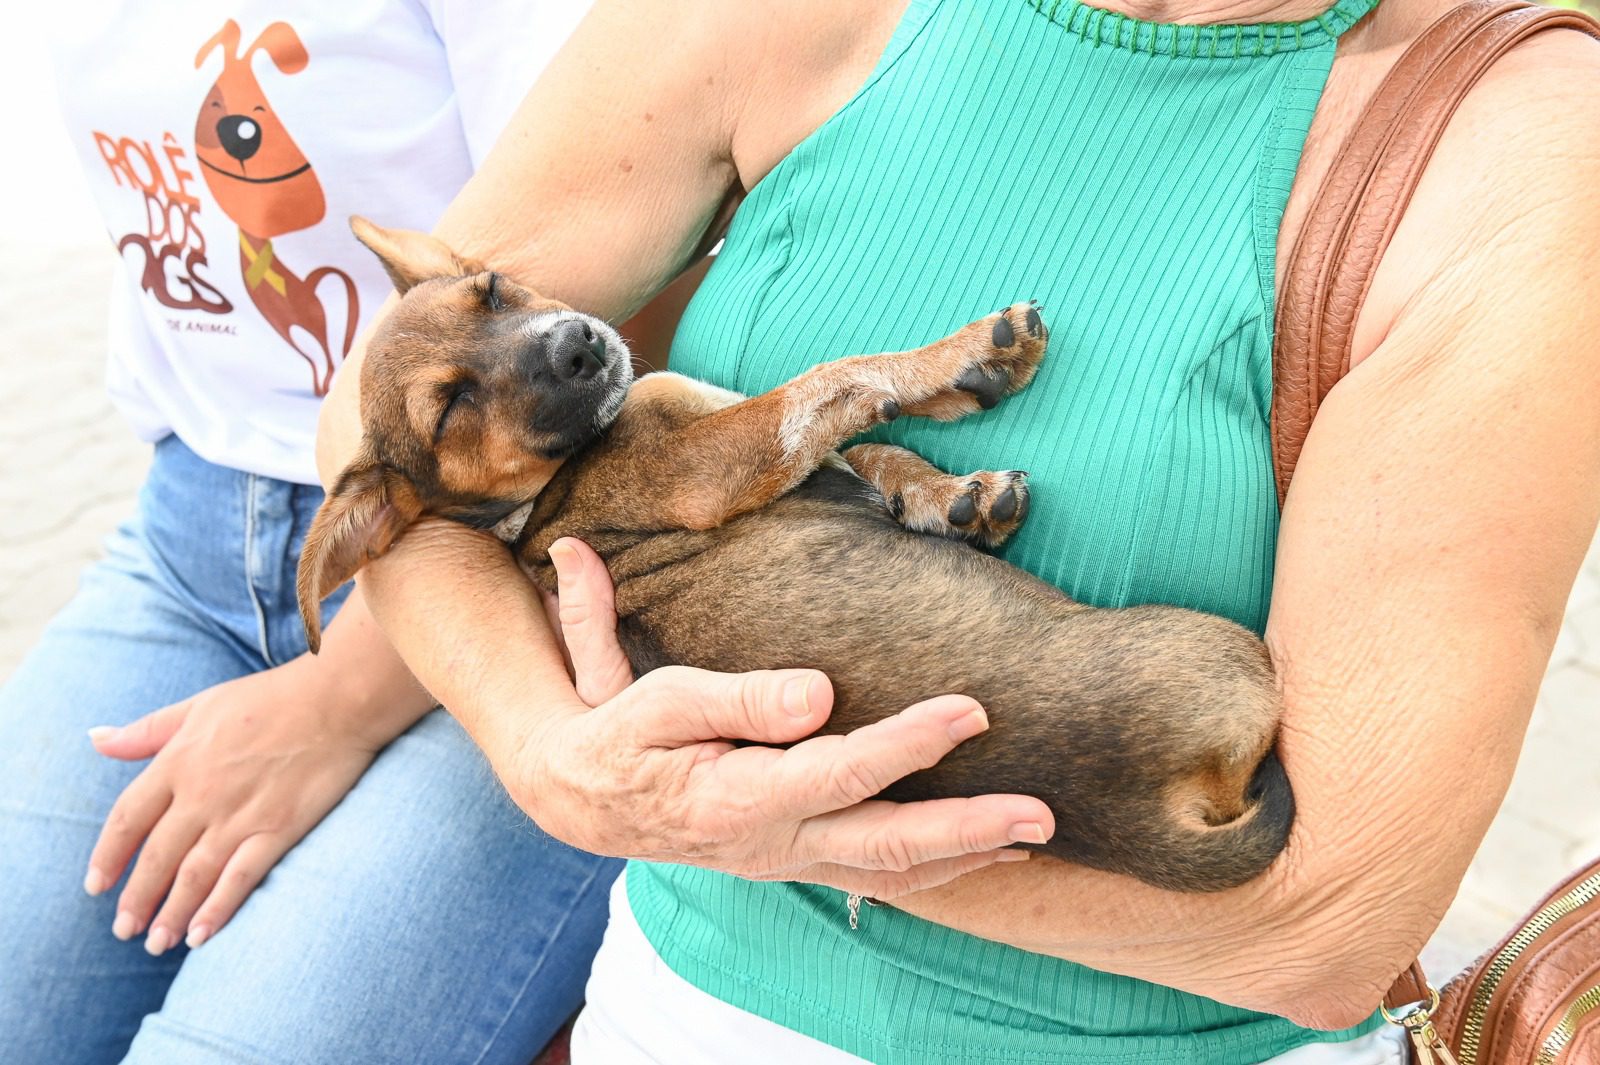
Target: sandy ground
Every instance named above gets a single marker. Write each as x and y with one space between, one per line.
69 469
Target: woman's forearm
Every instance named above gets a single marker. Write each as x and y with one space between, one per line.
471 625
560 207
1205 944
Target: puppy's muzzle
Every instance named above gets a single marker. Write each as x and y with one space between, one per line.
582 369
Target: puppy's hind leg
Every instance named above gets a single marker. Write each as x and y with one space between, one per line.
983 508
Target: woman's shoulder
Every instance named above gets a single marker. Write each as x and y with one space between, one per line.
1526 138
1511 192
801 63
1554 74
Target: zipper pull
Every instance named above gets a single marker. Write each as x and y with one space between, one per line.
1426 1046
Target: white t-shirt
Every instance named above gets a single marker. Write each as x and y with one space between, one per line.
228 144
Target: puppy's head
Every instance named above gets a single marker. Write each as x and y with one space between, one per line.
473 392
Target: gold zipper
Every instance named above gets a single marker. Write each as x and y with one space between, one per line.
1472 1028
1557 1040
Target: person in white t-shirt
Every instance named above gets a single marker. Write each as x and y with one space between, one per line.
313 867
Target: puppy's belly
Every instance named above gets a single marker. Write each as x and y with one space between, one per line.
1136 726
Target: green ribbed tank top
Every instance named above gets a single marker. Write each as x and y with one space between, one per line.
1132 177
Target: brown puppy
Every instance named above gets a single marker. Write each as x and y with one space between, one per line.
738 539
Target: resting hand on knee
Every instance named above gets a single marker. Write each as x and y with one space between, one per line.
239 774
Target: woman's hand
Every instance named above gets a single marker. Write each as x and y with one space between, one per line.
241 773
648 772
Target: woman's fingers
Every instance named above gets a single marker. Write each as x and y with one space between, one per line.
196 878
886 886
249 864
677 706
831 773
141 738
136 811
899 838
168 844
588 617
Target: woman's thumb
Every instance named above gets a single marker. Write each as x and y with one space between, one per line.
586 607
141 738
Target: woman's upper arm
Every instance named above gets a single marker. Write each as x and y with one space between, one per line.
1448 491
611 169
603 180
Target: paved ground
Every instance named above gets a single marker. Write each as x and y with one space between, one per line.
70 467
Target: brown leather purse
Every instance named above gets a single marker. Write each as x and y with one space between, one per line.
1534 998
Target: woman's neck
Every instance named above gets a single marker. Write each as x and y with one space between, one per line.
1209 12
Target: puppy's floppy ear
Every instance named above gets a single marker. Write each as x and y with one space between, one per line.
369 506
410 257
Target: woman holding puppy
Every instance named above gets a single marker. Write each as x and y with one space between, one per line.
899 168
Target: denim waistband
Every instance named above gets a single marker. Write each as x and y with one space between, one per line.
229 542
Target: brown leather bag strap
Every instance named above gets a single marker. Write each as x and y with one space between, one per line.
1410 986
1355 212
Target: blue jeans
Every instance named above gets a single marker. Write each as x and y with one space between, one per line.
425 919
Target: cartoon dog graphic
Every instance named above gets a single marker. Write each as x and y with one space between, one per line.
265 184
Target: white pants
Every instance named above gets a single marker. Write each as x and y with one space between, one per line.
640 1012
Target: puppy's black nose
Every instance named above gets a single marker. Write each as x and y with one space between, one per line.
576 352
240 135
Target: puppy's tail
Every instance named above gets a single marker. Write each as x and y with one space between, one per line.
1214 857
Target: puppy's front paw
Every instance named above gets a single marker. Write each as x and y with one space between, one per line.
993 357
983 508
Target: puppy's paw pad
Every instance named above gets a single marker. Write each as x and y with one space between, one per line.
1033 321
987 508
1003 335
1007 503
964 511
1017 339
988 387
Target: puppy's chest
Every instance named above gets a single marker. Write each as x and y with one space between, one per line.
649 561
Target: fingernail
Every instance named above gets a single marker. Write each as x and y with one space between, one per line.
1013 856
101 732
1028 832
157 942
94 882
968 725
797 695
126 926
562 553
197 935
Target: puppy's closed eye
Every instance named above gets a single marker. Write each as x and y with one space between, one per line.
460 397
